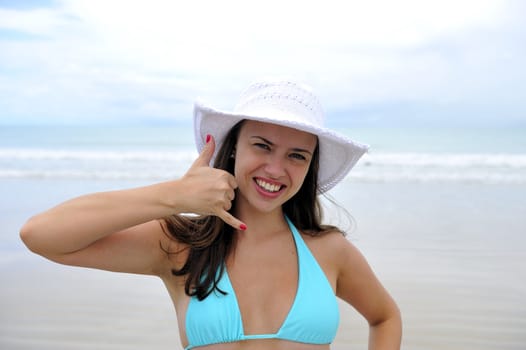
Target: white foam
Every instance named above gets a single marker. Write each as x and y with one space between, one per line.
160 165
445 160
49 154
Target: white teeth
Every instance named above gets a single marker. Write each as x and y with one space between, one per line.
267 186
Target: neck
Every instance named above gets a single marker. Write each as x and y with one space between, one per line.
261 225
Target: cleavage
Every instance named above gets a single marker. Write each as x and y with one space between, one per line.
265 284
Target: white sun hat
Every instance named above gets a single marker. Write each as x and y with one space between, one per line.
288 104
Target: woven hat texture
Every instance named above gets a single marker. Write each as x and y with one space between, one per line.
288 104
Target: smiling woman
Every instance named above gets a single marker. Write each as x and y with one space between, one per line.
285 160
255 267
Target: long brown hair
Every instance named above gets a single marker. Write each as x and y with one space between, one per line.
210 240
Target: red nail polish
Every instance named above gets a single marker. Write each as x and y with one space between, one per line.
243 227
208 138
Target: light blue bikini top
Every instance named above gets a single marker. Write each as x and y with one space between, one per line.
313 317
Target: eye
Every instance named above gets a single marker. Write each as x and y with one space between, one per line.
297 156
262 146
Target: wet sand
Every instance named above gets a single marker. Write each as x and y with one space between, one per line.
453 256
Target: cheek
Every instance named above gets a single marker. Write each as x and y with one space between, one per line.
242 165
300 176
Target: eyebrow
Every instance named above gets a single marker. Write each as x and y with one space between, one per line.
301 150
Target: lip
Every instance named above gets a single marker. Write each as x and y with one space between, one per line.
266 193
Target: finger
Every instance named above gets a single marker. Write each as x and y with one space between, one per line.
206 154
232 182
232 221
230 195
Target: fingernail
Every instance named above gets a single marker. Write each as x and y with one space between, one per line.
243 227
208 138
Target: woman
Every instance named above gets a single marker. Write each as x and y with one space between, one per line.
255 268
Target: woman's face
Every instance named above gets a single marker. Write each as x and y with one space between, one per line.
271 164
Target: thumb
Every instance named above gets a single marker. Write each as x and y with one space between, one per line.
206 154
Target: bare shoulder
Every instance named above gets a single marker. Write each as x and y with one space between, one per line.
340 249
332 243
336 253
330 249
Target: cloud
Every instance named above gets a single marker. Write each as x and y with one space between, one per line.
148 60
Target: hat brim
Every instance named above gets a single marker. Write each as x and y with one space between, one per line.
338 154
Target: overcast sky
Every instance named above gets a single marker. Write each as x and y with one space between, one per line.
371 62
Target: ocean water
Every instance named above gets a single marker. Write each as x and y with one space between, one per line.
156 153
438 213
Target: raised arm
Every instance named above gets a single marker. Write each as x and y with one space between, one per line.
109 230
121 230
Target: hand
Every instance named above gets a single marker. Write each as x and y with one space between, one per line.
210 190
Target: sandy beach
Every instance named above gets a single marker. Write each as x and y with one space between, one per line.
102 95
452 255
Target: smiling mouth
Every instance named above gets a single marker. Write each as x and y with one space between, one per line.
272 188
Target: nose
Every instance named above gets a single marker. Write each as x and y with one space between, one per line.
275 166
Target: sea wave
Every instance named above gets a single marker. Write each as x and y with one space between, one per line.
161 165
446 160
23 154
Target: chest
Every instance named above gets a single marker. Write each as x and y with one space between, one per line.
271 292
265 283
